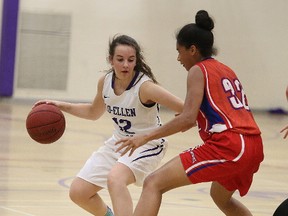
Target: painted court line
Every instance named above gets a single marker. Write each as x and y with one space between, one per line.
16 211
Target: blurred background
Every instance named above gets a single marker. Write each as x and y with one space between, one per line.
58 48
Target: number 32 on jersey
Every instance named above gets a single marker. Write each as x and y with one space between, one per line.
234 88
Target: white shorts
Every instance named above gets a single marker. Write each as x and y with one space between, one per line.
142 162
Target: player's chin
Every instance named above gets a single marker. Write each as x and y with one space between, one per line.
186 68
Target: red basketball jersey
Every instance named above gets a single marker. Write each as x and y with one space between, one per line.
224 105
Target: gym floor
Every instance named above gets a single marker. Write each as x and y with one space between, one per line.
35 178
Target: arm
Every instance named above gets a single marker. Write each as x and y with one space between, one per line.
90 111
182 122
153 93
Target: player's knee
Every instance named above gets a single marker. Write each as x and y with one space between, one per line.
76 194
117 181
151 183
213 195
73 194
218 200
112 180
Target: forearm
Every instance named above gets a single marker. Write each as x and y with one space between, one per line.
178 124
81 110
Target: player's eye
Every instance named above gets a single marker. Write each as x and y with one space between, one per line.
120 60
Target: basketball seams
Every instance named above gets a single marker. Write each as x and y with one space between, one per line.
45 111
35 112
57 135
45 123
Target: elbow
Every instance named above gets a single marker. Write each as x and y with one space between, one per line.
94 113
94 117
192 124
187 124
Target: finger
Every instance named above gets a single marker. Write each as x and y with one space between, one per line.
51 103
123 145
118 142
121 141
38 103
131 151
44 102
126 150
283 129
286 135
120 148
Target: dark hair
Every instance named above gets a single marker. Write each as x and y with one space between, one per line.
198 34
141 65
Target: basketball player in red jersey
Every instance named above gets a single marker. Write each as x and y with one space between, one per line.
232 147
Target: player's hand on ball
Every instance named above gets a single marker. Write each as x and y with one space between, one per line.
50 102
130 144
45 123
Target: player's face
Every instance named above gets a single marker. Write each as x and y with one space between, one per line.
124 61
186 56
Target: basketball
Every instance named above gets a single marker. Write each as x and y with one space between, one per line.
45 123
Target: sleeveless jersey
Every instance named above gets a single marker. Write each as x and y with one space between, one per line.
224 105
128 113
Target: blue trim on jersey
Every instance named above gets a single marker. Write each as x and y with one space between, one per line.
130 84
150 155
133 80
210 114
209 57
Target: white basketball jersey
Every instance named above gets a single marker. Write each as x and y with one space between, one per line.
129 115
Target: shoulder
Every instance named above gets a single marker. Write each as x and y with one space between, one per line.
196 70
106 77
102 80
148 91
195 78
148 84
142 78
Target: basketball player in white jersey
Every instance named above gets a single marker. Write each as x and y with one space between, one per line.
130 93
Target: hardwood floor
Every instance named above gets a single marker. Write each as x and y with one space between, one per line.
35 178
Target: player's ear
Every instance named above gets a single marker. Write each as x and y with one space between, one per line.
193 49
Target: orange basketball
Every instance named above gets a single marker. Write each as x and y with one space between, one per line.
45 123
